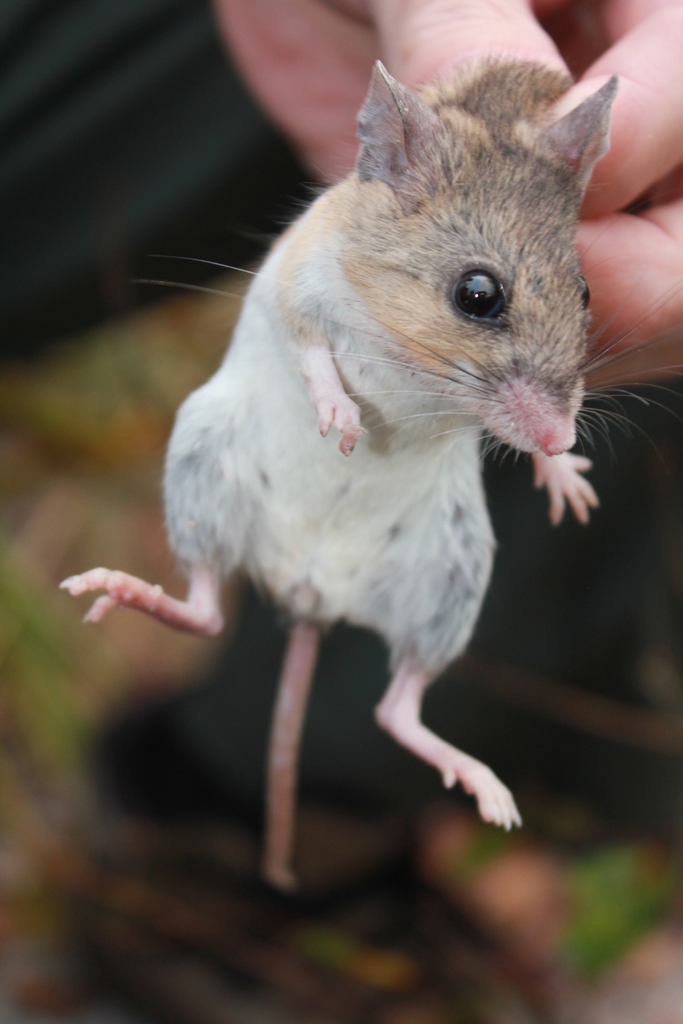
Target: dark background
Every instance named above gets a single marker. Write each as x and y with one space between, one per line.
123 132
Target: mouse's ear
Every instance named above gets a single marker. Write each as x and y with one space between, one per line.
581 137
397 132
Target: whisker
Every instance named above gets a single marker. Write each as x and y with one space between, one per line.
394 362
187 287
651 345
475 382
424 415
584 435
211 263
455 430
596 239
656 304
595 335
389 392
618 381
647 401
596 360
605 416
625 424
431 352
599 425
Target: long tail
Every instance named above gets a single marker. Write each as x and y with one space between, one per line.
283 753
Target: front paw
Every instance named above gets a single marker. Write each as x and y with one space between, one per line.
561 475
343 414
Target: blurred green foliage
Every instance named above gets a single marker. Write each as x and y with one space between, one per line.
618 893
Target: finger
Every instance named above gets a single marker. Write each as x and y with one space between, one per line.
556 506
634 266
647 118
579 508
422 39
588 495
308 64
517 817
325 416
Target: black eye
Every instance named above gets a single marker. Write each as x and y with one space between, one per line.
585 291
479 294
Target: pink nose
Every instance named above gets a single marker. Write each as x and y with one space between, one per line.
557 438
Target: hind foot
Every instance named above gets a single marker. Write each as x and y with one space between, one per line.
399 714
495 801
200 613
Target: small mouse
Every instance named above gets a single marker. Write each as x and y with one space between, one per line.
430 301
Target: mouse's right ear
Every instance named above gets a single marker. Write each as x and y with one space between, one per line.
397 132
581 137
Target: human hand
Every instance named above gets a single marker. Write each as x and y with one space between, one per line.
309 62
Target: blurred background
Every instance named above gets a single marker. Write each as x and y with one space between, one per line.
132 758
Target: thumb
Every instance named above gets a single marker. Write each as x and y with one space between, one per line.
421 39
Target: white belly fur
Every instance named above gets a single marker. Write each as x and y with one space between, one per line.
396 537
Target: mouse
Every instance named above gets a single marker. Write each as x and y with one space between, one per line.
427 306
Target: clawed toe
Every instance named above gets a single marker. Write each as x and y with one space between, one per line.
506 814
94 579
120 590
100 608
74 585
495 801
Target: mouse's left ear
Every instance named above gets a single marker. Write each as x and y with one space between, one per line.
581 137
397 132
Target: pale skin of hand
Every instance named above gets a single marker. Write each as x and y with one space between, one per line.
308 62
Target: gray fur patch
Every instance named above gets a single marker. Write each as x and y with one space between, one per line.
201 497
426 588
